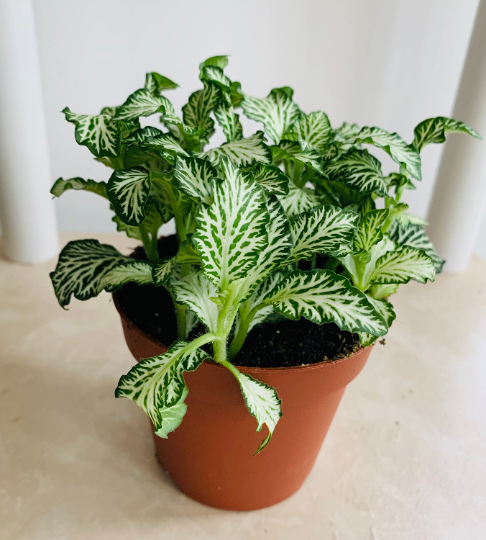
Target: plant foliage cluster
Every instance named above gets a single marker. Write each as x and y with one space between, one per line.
250 215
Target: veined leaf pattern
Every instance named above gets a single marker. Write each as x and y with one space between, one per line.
194 177
243 152
78 184
292 150
196 113
162 272
403 265
138 271
142 103
229 121
298 200
433 130
386 310
369 231
271 178
171 417
156 83
128 191
315 129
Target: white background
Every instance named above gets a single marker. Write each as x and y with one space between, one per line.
389 63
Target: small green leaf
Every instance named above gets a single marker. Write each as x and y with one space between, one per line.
229 121
162 272
359 170
196 113
369 231
194 177
243 152
433 130
218 61
277 112
128 191
403 265
100 133
78 184
323 296
231 232
156 83
380 292
298 200
142 103
157 383
314 129
322 229
171 417
271 178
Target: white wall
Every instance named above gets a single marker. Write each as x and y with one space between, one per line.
374 62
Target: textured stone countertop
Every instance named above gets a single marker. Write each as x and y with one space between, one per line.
405 458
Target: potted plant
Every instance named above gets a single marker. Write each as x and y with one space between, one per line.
289 243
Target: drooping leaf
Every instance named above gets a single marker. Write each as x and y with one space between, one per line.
128 191
277 112
322 230
229 121
263 403
196 113
243 152
171 417
369 231
81 267
157 383
386 310
138 271
433 130
395 147
78 184
162 272
323 296
156 83
415 236
142 103
359 170
298 200
403 265
195 291
271 178
100 133
231 232
194 177
314 129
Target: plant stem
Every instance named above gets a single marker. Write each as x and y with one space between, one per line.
240 337
313 263
150 248
181 310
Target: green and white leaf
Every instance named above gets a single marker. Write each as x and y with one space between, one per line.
165 144
162 272
346 134
395 147
243 152
128 191
231 232
359 170
229 121
138 271
322 230
195 291
298 200
291 150
78 184
156 83
386 310
403 265
314 129
323 296
157 383
215 75
369 231
380 292
415 236
141 135
100 133
277 112
81 267
142 103
433 130
218 61
194 177
171 417
271 178
196 113
263 403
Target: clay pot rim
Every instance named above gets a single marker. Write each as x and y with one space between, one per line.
243 369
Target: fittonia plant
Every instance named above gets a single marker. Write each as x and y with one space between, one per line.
249 214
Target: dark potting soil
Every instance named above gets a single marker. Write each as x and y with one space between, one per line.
283 344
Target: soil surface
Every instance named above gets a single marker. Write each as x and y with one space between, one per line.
283 344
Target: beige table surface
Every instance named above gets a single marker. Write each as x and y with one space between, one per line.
404 460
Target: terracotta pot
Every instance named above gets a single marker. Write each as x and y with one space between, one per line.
210 456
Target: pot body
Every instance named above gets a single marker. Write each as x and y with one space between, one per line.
210 455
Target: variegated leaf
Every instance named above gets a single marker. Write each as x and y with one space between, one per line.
156 83
243 152
346 134
100 133
215 74
263 403
171 417
157 383
196 113
231 232
314 129
433 130
81 267
141 135
403 265
142 103
386 310
289 150
322 230
165 144
271 178
194 177
162 272
138 271
323 296
218 61
78 184
298 200
277 112
369 231
359 170
229 121
128 191
395 147
195 291
415 236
